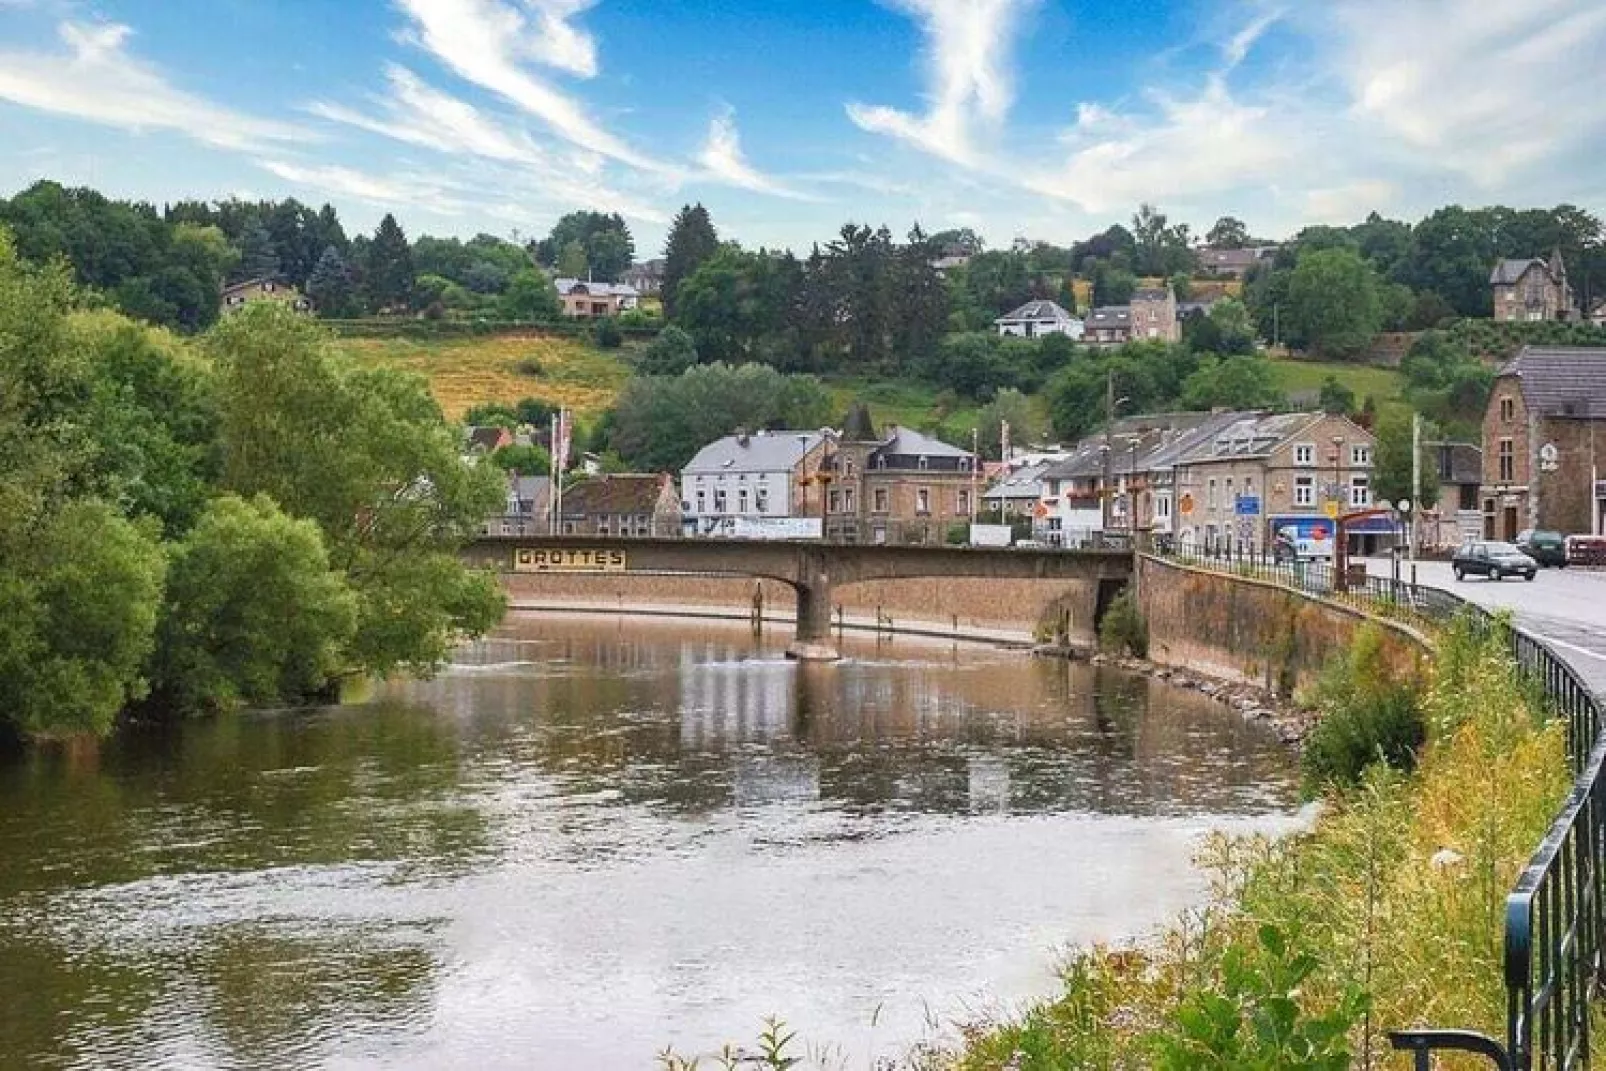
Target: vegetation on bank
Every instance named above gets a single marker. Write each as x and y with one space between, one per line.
243 518
1389 913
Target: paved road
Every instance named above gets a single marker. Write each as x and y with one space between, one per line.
1566 607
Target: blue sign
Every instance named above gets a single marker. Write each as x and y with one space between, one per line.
1248 505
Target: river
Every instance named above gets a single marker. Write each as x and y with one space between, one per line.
593 837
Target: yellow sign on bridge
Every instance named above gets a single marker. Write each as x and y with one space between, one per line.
569 560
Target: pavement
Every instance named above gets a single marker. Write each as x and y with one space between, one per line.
1564 607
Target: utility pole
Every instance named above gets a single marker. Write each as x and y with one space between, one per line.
552 472
1416 485
975 463
1109 423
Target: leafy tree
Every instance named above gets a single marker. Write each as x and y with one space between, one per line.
1112 286
530 296
1336 398
606 248
1228 232
670 354
734 300
1232 383
254 613
1391 471
1333 305
660 422
1163 248
1235 331
259 257
330 286
572 262
389 277
1009 406
524 460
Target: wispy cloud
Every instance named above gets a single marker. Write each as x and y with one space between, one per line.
387 191
490 43
969 73
421 115
98 80
722 156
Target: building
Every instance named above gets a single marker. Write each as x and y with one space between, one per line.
1233 263
1259 474
487 439
1018 492
1455 515
1597 313
637 505
1037 318
239 295
528 510
647 277
1154 314
1532 289
899 487
1109 325
584 299
1545 422
758 475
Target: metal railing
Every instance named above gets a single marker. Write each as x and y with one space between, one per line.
1556 912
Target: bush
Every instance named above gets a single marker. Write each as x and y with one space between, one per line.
1124 629
608 334
529 366
1367 716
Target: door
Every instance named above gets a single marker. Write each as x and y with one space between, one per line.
1508 524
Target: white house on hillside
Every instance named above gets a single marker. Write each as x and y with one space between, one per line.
1037 318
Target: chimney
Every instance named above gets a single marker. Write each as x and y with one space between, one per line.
741 437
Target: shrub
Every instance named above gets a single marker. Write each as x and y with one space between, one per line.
529 366
1368 715
1124 629
608 334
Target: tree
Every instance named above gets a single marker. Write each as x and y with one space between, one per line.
330 287
572 262
1162 248
1228 232
1009 406
259 257
1333 303
1232 383
604 242
530 296
670 354
524 460
1336 399
389 276
1112 286
1391 472
607 334
692 240
1235 331
253 613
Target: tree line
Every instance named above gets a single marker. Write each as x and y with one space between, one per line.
241 518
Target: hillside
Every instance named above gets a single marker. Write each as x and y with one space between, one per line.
1384 385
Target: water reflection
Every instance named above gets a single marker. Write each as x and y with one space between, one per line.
590 837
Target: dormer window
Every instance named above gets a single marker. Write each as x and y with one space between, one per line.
923 462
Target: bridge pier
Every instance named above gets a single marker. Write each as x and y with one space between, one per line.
813 642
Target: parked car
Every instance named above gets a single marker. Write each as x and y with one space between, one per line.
1586 550
1493 560
1546 548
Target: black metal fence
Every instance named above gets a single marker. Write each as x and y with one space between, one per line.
1556 912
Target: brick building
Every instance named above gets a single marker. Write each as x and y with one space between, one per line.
900 487
1542 431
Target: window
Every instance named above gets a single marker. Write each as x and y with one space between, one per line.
719 500
1305 455
923 501
1360 456
1304 490
741 501
847 500
701 502
1210 495
763 499
836 501
602 528
1162 506
964 502
923 463
1508 410
881 505
1360 491
1508 462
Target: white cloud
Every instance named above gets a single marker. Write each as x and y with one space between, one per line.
1347 204
722 156
419 114
96 79
487 42
384 190
968 68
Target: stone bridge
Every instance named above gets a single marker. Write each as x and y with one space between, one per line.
812 569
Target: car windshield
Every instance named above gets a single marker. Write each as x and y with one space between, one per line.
1545 537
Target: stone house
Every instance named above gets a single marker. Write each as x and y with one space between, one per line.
1542 433
1260 473
1233 263
1154 314
1456 515
1038 318
528 509
763 474
637 505
585 300
250 291
901 487
1532 289
1108 325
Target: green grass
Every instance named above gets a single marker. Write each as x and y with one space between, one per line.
914 405
1386 385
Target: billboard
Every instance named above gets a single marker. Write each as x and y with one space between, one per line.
1310 537
768 528
991 535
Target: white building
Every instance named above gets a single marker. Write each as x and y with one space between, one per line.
754 476
1037 318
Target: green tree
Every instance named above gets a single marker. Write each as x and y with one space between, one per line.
1235 330
605 246
1232 383
254 613
530 295
330 286
1333 304
692 240
1336 399
607 334
1009 406
259 257
1163 248
524 460
571 263
389 274
1391 462
670 354
1228 232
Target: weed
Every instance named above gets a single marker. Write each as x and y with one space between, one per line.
1124 629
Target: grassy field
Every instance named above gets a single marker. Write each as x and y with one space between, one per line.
912 405
1384 384
466 372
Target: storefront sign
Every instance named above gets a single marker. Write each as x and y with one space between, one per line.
1185 504
576 560
1248 505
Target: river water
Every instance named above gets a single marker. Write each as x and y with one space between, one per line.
591 838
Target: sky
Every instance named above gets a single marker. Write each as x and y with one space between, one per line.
1043 119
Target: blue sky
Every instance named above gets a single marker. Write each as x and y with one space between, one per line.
1047 119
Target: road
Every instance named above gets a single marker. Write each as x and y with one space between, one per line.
1564 607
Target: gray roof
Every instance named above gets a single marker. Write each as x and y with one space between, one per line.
530 488
1189 439
1509 271
1235 258
1250 435
1024 483
1039 311
1151 293
1151 434
906 442
762 451
566 286
1110 316
1562 380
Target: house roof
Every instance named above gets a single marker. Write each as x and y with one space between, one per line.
1234 258
530 488
487 437
1110 316
1151 293
246 284
1025 482
1250 435
1038 311
1507 272
906 442
1562 380
1151 434
625 492
762 451
585 286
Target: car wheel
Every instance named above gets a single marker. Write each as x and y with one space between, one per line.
1460 574
1530 576
1494 574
